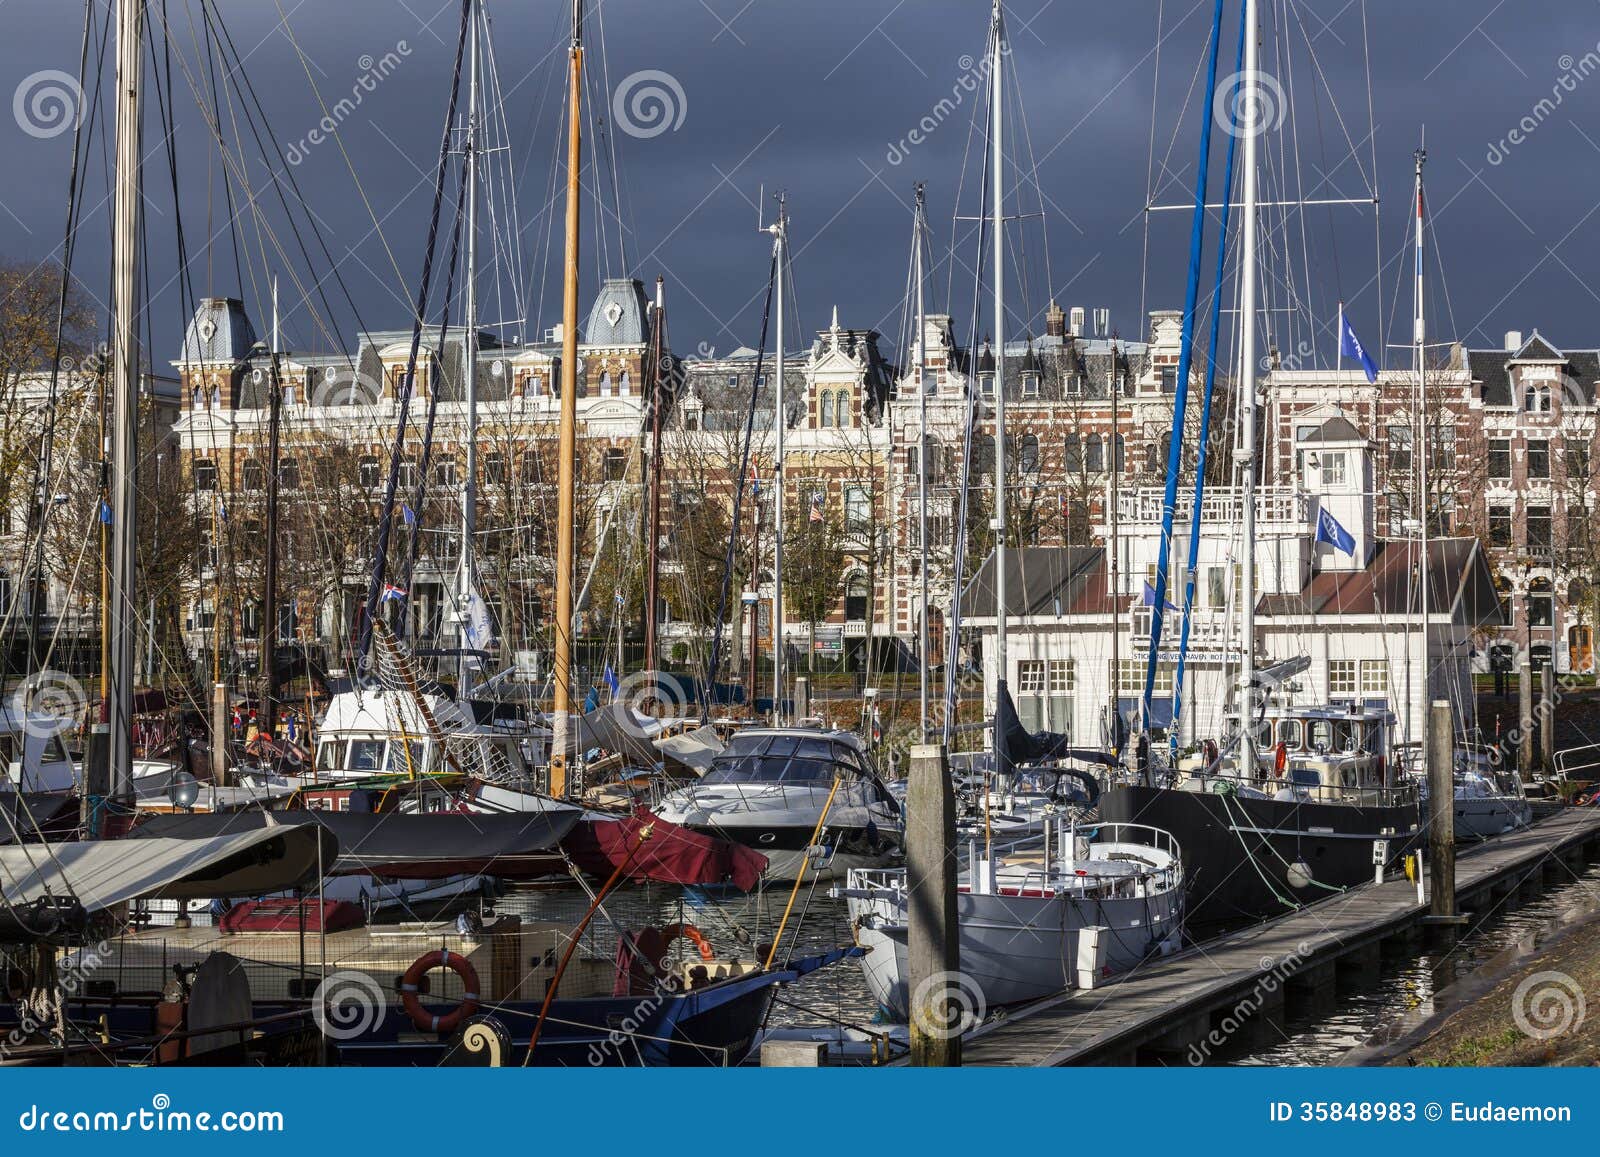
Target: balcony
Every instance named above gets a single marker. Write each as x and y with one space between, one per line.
1221 506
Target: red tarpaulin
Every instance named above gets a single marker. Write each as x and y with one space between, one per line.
284 915
672 855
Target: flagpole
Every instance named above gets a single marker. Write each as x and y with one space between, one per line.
1338 358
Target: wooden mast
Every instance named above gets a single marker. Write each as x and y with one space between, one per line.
269 600
125 391
567 448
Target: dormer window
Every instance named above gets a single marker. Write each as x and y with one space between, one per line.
986 384
1169 379
1536 399
1030 385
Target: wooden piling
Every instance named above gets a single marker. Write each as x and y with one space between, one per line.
1442 811
1525 718
933 948
1547 719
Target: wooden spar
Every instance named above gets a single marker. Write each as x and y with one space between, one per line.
125 390
567 449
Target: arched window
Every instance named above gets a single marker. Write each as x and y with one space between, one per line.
826 416
1122 461
605 384
624 385
856 593
250 475
1152 459
1030 454
1536 399
1095 454
615 462
1073 459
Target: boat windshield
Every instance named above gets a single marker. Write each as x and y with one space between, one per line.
789 759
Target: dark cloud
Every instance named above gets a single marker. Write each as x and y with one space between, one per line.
820 98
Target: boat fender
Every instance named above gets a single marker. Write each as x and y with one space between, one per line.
439 958
1280 759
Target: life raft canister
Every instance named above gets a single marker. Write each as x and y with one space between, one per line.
439 958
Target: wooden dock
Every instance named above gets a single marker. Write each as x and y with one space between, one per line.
1181 1009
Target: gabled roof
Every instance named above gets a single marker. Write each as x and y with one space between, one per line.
1537 349
1335 429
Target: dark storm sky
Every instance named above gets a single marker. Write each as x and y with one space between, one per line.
820 97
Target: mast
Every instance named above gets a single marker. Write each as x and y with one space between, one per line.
1418 338
997 163
920 224
1113 500
567 449
780 251
469 492
269 595
1250 108
653 549
125 389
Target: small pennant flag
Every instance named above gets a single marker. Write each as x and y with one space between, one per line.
1336 536
407 514
390 591
1149 598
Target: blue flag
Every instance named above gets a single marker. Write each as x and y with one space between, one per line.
1350 346
611 680
1336 536
105 512
1149 598
408 515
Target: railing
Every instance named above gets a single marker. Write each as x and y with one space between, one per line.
1274 505
1579 762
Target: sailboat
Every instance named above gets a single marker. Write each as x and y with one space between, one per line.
1024 908
1299 801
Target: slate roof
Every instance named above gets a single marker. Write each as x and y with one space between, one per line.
620 315
1491 369
219 331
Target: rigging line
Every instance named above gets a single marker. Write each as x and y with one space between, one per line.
338 139
714 666
959 548
212 54
316 231
1377 228
436 383
1150 162
1185 361
1203 446
611 145
40 509
1322 153
403 402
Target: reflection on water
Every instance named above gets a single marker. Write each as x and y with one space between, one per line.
735 925
1407 986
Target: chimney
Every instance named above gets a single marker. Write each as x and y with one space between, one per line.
1513 340
1077 321
1102 323
1055 322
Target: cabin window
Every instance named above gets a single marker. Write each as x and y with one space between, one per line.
395 760
1290 734
365 755
328 755
1319 735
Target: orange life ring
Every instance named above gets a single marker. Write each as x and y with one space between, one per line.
1280 759
439 958
689 932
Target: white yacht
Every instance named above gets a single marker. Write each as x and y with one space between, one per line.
806 799
1022 912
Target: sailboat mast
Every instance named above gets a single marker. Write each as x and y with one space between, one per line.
919 226
780 249
567 447
268 633
125 388
469 492
1419 330
1254 125
997 165
653 548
